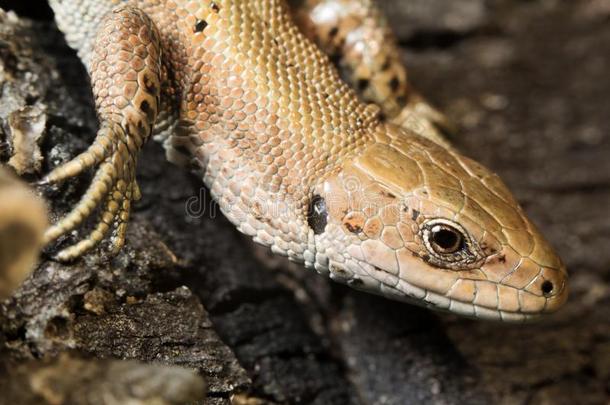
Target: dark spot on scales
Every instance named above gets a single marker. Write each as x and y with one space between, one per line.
149 85
414 215
215 7
333 32
145 108
317 214
387 194
142 131
353 228
200 25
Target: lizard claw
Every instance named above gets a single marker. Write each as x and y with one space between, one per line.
102 147
113 182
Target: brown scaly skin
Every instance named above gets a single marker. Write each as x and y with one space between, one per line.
295 159
361 44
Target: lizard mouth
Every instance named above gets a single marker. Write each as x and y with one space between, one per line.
378 281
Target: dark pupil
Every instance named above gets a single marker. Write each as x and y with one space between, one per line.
317 215
447 239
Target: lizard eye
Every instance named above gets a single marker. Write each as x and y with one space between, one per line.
448 244
445 239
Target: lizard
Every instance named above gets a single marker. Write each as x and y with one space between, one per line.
357 182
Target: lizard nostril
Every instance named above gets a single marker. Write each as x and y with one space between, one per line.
547 287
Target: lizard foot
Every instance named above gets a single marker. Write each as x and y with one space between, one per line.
126 77
115 154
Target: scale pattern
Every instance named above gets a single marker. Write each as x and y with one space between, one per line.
295 158
359 41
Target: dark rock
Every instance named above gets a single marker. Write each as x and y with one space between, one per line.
426 367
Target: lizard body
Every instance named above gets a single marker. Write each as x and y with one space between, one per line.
295 159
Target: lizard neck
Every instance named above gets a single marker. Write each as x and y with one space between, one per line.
265 123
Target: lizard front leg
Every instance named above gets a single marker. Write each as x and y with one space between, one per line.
359 41
126 74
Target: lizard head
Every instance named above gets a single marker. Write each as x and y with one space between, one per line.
414 221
